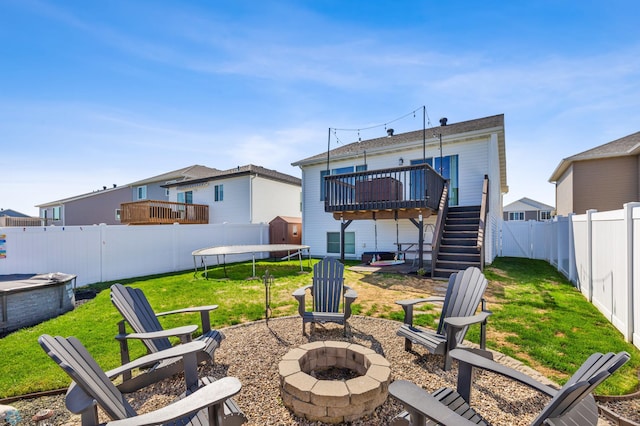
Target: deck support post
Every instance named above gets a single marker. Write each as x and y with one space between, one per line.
420 225
343 225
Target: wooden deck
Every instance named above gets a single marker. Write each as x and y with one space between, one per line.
398 193
155 212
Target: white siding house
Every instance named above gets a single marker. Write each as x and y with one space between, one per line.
247 194
470 150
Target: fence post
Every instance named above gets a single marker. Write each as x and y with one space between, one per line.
103 252
571 248
628 217
590 212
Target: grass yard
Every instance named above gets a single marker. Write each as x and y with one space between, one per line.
539 317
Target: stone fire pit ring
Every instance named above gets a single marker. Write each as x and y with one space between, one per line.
333 401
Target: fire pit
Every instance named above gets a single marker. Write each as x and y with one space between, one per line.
337 399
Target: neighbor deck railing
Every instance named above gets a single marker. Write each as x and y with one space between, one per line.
149 212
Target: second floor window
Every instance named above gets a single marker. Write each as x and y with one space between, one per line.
141 193
56 213
218 193
185 197
118 215
339 171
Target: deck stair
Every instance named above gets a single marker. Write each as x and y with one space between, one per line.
458 247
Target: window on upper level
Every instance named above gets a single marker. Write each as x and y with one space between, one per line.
218 193
56 213
516 215
141 192
118 215
339 171
185 197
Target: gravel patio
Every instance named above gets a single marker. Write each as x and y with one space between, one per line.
252 352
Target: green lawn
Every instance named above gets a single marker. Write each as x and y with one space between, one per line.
539 318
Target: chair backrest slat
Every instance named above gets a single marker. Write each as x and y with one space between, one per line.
136 310
78 363
328 285
571 397
464 294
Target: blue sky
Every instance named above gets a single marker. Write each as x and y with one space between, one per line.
95 93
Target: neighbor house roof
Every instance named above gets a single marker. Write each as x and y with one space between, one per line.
249 169
527 204
628 145
12 213
191 172
403 141
176 175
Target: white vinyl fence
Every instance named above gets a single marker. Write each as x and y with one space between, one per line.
113 252
599 252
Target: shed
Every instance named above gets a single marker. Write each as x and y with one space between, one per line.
285 230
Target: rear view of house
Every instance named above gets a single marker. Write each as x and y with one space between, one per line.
432 195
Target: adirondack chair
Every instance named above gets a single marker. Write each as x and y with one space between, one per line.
573 404
137 312
207 401
327 290
464 295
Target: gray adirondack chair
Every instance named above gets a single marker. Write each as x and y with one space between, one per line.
207 401
464 296
138 313
573 404
328 293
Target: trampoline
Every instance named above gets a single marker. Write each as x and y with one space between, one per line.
291 249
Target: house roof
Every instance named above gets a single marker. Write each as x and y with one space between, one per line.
81 196
177 175
191 172
249 169
626 146
526 204
12 213
451 132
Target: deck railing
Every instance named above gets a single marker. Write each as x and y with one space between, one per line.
483 217
21 221
418 186
149 212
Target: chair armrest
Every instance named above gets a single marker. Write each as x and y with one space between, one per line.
184 333
460 322
407 306
206 308
411 302
211 394
173 352
468 360
350 293
417 400
299 294
301 291
204 314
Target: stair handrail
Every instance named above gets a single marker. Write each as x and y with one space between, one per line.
482 220
443 210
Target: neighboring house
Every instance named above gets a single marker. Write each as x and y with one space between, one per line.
527 209
603 178
103 206
247 194
376 195
11 217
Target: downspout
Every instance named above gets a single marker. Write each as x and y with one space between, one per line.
251 178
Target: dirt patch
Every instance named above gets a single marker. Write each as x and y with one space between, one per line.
379 291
